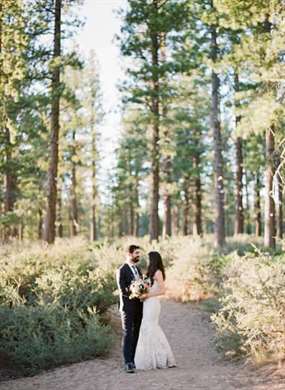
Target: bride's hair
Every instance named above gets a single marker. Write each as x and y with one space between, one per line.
155 263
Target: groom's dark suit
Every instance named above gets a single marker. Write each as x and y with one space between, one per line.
131 312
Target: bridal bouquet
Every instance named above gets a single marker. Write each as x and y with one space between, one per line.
139 287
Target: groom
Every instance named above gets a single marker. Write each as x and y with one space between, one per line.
131 309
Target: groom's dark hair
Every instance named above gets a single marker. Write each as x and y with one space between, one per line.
132 248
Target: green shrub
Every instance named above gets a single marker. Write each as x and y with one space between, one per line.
253 308
196 270
51 302
42 337
53 299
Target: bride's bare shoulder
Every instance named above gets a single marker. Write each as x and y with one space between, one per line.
158 275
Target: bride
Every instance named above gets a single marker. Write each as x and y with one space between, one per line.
153 350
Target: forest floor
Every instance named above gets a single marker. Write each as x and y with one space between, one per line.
199 366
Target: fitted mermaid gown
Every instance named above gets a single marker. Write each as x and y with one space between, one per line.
153 349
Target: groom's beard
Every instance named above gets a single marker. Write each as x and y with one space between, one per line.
136 259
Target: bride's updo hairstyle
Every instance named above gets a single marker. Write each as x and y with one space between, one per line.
155 263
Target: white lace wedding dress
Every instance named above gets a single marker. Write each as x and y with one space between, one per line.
153 350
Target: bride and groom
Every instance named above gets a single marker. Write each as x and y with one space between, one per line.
144 343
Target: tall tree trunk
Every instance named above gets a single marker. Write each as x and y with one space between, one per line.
59 213
132 216
9 196
239 220
137 227
74 206
94 233
40 224
155 155
257 206
137 206
121 223
10 185
167 232
247 205
167 228
218 157
176 221
93 224
131 198
280 205
198 226
186 210
239 217
2 232
269 212
49 231
167 161
126 221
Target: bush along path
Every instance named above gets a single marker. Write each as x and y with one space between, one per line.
191 336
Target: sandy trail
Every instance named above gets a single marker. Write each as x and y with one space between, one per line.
199 366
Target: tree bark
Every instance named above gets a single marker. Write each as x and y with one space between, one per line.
239 220
93 224
198 208
257 206
280 205
186 210
247 205
49 232
167 163
269 212
167 232
218 157
155 166
239 217
126 220
40 224
167 227
74 205
121 223
94 233
59 216
132 217
137 215
10 185
198 226
176 221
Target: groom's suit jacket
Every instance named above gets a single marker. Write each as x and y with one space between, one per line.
124 278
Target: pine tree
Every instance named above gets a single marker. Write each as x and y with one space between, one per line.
260 52
49 231
145 34
12 71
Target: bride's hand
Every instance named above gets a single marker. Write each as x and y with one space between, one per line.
144 296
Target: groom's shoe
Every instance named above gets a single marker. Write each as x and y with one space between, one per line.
129 368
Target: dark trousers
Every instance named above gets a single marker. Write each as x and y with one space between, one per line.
131 321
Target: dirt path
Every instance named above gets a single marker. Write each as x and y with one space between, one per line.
199 366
